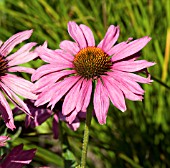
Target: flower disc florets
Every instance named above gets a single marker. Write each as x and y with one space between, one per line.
91 62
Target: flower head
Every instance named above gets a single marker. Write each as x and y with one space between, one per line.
73 68
10 84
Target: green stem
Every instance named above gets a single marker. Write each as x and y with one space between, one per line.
86 134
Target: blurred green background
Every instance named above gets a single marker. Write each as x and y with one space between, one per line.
138 138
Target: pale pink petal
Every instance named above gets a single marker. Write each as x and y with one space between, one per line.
70 47
127 92
129 66
3 140
53 56
19 85
49 68
77 34
46 95
24 50
118 47
24 58
110 38
115 94
85 95
15 99
6 112
101 102
88 35
71 98
132 76
131 48
71 117
49 79
61 88
74 125
128 83
7 47
21 69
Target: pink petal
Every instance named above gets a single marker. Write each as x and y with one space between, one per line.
110 38
46 69
3 140
85 95
49 79
129 66
70 47
119 47
88 35
131 48
61 88
6 112
24 50
72 116
7 47
101 102
15 99
71 98
132 76
19 85
77 34
114 93
22 59
127 92
128 83
21 69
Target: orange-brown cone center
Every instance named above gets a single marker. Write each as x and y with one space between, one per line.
91 62
3 66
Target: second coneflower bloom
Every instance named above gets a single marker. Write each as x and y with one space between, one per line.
72 69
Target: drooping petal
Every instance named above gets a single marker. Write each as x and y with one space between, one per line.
131 48
114 93
46 69
7 47
110 38
101 102
56 126
77 34
70 47
88 35
19 85
132 66
71 98
6 112
3 140
22 52
71 117
21 69
15 99
61 88
85 95
18 157
49 79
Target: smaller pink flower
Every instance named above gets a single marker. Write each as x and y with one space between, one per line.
11 85
3 140
17 158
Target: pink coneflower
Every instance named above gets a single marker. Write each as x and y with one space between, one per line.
13 85
72 69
